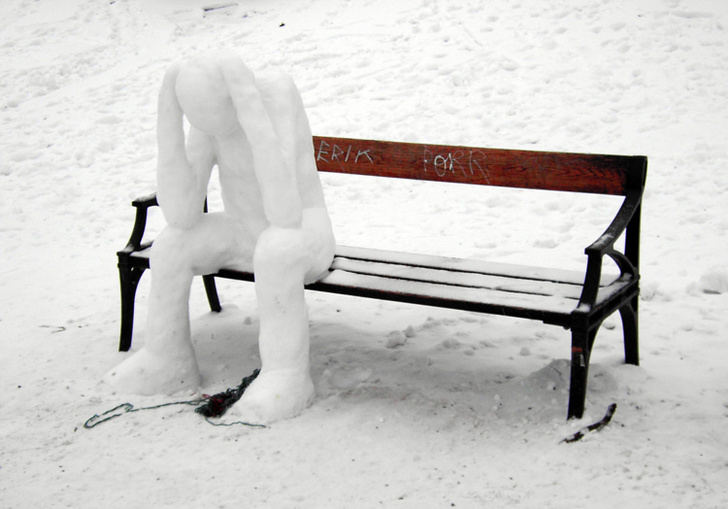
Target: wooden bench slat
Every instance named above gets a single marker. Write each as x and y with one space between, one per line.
434 291
514 297
557 171
458 278
460 271
397 281
470 265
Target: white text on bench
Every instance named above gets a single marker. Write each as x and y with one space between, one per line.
330 153
469 162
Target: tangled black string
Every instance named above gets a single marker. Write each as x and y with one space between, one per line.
209 406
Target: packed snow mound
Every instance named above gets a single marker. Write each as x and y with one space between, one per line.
714 281
542 394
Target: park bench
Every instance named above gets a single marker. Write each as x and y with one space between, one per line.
577 301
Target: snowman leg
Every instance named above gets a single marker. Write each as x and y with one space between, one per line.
166 363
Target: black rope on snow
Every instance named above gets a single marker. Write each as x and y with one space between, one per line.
209 406
218 404
597 426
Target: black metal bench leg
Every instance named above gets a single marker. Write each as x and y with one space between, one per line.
631 332
581 344
211 291
129 280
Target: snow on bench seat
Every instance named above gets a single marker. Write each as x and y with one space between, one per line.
468 265
462 283
474 284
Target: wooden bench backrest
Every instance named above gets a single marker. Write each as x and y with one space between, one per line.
587 173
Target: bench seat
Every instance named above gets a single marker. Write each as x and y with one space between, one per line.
547 294
472 285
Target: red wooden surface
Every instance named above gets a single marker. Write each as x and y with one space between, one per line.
589 173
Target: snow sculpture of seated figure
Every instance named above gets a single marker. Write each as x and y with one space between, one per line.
274 222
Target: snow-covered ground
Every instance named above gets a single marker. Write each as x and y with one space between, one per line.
416 406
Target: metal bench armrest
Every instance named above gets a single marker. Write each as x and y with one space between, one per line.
619 224
140 222
627 217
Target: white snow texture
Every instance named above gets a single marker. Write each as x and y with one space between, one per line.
415 407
